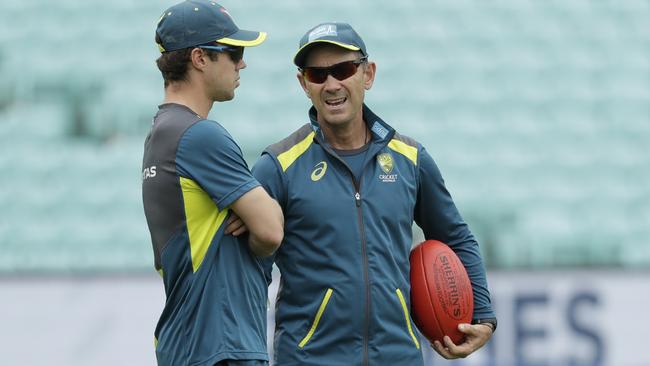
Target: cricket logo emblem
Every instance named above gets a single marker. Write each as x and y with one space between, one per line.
385 162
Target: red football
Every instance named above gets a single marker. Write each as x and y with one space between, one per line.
441 293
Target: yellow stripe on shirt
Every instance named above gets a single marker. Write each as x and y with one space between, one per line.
203 219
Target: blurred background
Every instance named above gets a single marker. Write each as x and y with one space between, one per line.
536 112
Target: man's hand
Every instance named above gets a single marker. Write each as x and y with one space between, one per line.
235 226
475 337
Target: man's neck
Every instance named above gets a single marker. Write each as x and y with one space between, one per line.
351 137
192 98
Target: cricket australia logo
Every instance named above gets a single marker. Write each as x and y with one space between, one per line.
325 30
319 171
385 162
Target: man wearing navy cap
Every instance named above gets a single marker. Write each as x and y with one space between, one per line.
350 188
198 193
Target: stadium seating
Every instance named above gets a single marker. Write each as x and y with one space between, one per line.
537 113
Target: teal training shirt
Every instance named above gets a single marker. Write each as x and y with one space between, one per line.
215 289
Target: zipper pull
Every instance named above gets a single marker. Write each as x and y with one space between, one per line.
357 197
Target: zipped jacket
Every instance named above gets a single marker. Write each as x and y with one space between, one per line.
344 295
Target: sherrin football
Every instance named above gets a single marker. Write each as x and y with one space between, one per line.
441 293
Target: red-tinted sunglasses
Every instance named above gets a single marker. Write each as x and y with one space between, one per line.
340 71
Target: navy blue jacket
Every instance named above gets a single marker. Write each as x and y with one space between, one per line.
344 296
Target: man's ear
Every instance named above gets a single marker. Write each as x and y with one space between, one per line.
369 72
198 58
301 80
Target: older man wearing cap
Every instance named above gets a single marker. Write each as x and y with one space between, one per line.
350 188
198 192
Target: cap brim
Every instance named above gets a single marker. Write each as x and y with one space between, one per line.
244 38
300 55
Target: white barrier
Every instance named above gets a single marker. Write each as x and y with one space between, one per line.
561 318
573 318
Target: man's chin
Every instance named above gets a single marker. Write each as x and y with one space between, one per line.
225 97
336 119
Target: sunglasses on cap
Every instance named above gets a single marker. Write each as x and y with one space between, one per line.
340 71
236 53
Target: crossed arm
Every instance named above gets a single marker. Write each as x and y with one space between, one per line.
260 215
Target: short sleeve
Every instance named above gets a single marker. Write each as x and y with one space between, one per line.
208 155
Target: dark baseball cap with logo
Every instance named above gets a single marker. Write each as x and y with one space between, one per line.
196 22
340 34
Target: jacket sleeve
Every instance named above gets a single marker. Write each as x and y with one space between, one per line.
437 216
268 173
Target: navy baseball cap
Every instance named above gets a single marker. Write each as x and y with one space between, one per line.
340 34
196 22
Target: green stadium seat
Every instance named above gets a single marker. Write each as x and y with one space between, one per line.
536 113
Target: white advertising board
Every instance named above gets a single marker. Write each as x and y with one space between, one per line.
564 318
572 318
